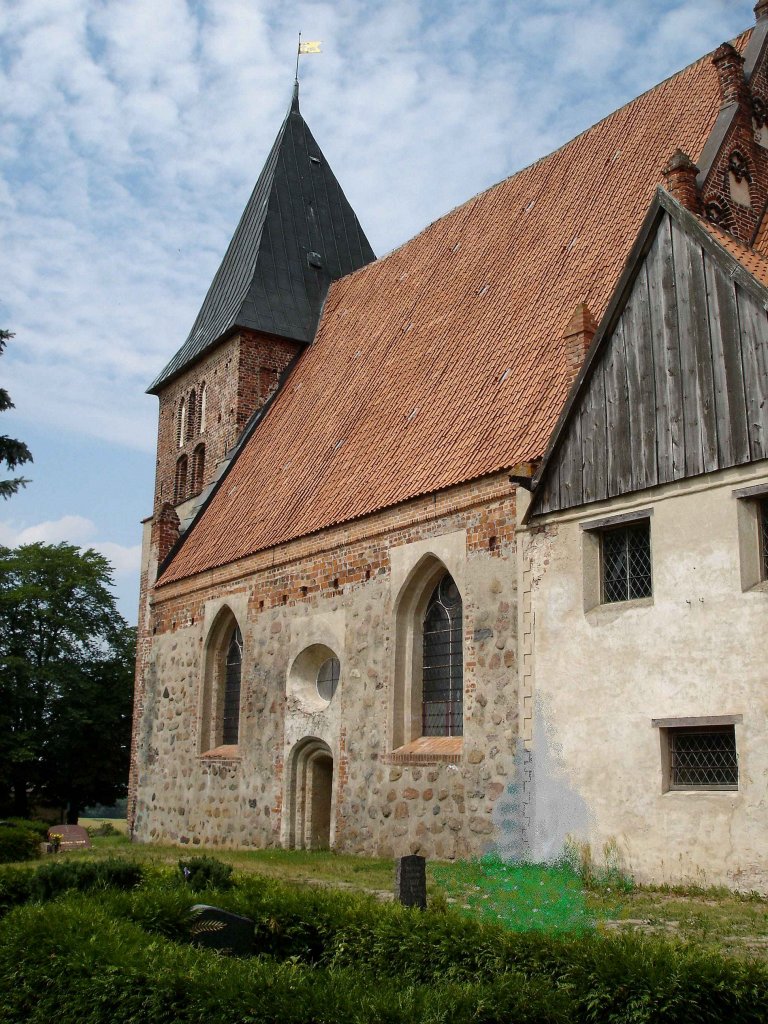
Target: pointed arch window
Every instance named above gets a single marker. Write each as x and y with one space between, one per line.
198 469
191 414
180 483
203 406
181 423
232 675
443 663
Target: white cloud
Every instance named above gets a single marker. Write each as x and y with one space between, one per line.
133 134
72 529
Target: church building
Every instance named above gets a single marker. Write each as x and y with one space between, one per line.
466 548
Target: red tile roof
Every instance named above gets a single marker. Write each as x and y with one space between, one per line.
444 361
750 259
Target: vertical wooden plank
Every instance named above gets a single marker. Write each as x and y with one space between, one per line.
695 356
754 357
571 463
693 455
662 293
594 444
640 374
619 468
703 355
727 371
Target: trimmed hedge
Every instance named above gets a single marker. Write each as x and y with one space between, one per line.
437 960
18 885
72 963
18 842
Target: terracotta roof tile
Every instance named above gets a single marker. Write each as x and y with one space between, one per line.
445 360
750 259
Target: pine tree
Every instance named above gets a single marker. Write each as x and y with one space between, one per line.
12 452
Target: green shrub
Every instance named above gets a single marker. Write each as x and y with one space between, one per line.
104 829
206 873
58 876
15 887
40 828
18 843
71 962
394 964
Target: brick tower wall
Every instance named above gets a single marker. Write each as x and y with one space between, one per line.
239 375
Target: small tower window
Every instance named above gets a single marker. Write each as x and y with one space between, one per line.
180 484
191 414
198 469
181 423
203 403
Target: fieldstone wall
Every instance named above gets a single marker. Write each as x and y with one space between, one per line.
339 592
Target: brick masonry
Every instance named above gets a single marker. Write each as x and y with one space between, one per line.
239 375
735 191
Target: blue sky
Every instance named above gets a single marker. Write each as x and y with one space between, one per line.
134 130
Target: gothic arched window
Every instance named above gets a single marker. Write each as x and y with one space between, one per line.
232 672
191 415
198 469
203 404
443 662
181 423
180 484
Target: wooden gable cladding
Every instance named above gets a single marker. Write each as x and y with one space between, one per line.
676 381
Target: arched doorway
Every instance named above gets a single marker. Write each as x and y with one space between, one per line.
310 795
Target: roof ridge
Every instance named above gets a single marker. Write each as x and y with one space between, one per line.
741 39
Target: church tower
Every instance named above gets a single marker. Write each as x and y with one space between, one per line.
296 235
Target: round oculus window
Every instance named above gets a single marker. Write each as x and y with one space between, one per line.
328 678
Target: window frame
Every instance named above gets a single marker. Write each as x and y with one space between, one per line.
225 626
454 719
593 559
228 724
671 728
752 524
626 530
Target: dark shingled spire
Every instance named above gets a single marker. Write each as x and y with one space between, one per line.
296 235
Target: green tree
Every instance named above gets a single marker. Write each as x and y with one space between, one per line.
12 452
66 672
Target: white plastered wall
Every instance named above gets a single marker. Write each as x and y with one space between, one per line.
599 676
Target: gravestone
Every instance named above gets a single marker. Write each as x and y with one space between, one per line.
411 881
214 928
73 837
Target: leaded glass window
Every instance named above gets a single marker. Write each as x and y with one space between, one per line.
626 562
328 678
443 663
233 670
703 758
763 508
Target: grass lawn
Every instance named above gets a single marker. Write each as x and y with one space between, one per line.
521 897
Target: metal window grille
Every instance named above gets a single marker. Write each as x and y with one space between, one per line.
233 669
443 663
703 758
328 678
764 537
626 563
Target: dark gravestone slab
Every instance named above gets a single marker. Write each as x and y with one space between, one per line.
411 881
214 928
73 837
